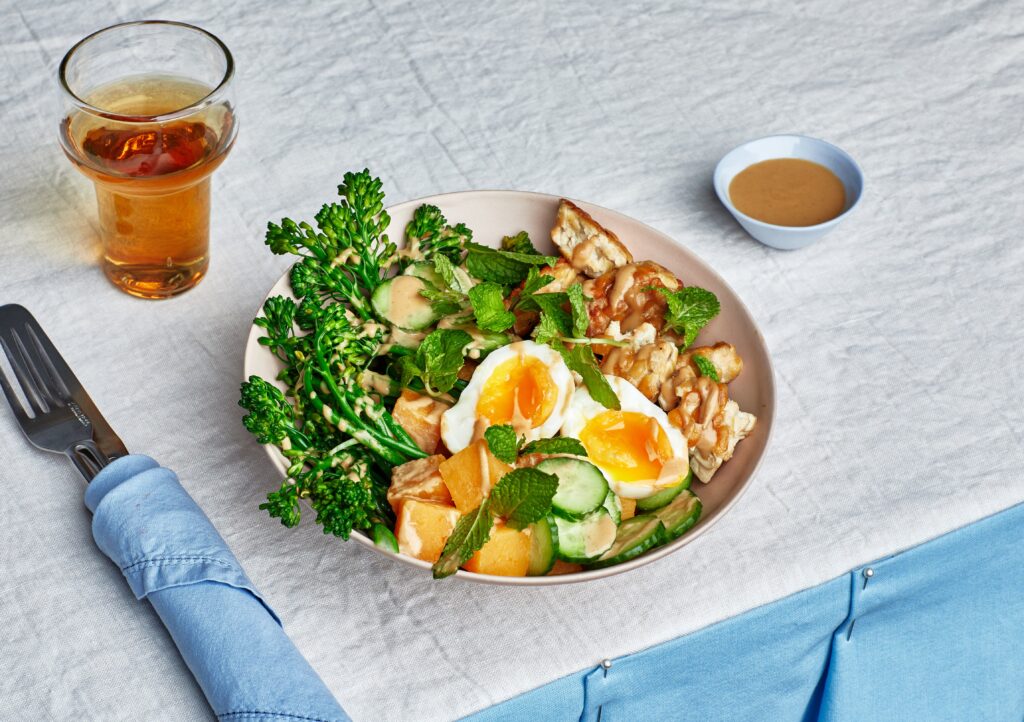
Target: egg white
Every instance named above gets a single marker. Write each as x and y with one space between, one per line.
583 408
459 423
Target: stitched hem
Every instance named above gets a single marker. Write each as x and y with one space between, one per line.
254 714
160 561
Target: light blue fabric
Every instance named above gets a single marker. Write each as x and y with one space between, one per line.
230 638
933 633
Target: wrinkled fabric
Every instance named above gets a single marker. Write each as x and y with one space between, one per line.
894 339
933 633
230 639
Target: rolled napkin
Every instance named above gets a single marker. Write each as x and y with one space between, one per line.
229 637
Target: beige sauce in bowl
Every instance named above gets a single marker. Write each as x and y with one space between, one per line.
788 192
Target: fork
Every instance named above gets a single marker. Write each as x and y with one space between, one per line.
53 409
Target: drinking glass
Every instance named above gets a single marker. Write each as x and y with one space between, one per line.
148 116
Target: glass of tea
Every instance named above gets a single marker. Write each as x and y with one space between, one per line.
149 116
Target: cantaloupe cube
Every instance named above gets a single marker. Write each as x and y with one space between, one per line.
423 527
506 554
561 567
420 416
628 508
418 479
470 474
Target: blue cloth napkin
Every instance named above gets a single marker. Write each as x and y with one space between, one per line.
227 634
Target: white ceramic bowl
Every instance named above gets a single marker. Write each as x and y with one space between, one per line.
492 214
789 146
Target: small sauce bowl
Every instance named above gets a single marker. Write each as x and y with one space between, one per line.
788 146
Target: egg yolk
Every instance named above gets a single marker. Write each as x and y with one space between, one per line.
519 392
628 445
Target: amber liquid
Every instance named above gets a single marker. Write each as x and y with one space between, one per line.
152 180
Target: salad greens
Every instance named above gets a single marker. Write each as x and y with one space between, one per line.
506 446
689 310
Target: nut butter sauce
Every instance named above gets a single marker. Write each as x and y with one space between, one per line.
788 192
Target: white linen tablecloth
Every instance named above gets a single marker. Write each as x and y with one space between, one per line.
895 340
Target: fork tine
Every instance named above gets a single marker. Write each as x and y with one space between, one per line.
27 388
12 398
58 389
32 366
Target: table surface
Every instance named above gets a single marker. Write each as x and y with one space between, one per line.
891 428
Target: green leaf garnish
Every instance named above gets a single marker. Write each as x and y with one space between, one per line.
533 283
503 442
523 496
519 243
502 267
557 445
706 368
581 359
471 532
580 316
689 310
488 304
437 361
552 305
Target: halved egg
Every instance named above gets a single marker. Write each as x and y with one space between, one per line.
637 448
524 384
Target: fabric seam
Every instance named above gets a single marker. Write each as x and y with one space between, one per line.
143 563
242 714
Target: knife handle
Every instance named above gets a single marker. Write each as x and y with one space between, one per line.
87 458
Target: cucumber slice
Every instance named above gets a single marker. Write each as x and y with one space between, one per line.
543 546
426 271
412 312
680 515
584 540
614 507
582 487
663 497
635 536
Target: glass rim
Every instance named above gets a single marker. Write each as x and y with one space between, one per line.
206 101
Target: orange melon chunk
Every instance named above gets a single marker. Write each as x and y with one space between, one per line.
506 554
470 474
561 567
423 527
420 416
418 479
628 508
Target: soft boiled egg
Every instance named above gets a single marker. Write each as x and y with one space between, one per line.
524 384
637 448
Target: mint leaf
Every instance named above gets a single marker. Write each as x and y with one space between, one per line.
552 304
689 310
502 267
557 445
523 496
519 243
471 532
533 283
445 269
503 442
439 359
485 263
454 277
488 304
581 360
580 315
443 302
706 368
547 330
